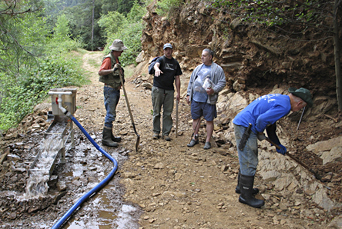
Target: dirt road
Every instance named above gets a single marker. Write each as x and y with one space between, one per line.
176 186
168 184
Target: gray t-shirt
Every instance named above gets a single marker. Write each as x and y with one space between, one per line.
200 95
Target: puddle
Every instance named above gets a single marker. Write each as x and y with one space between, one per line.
105 210
125 219
81 225
84 168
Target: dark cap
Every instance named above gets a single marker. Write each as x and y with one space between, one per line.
302 93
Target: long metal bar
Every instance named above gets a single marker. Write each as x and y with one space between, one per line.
176 118
300 118
293 158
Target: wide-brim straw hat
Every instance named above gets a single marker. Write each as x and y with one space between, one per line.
302 93
117 45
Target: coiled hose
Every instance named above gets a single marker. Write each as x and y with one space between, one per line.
68 214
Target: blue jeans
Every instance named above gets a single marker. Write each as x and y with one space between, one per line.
248 158
111 99
165 98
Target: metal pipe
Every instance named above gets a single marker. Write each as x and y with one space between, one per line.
300 118
60 93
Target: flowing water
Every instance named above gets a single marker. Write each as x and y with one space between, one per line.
106 208
46 157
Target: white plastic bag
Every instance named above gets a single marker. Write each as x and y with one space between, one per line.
207 84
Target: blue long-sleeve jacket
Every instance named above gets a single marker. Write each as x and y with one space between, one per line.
263 112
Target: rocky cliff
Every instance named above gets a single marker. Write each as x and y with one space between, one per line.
258 60
253 56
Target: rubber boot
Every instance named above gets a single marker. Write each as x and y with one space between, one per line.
107 137
115 139
246 196
237 189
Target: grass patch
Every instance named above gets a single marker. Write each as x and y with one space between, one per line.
129 70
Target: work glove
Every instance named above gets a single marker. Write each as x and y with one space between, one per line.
116 67
261 136
282 149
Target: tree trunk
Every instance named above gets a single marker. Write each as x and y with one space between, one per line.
92 27
337 58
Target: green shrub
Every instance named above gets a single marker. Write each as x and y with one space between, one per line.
131 38
21 93
128 29
166 6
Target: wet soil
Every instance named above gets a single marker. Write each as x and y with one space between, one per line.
162 185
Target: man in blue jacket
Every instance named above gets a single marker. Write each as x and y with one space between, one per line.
262 114
206 81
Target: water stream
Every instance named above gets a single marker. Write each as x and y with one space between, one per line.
106 208
47 152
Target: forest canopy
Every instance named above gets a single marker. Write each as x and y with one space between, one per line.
37 35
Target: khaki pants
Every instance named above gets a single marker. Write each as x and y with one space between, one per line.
162 98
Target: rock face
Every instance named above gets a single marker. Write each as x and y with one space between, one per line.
256 61
329 150
250 54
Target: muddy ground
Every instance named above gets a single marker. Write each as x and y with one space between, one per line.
163 185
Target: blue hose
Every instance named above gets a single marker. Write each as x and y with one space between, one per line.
68 214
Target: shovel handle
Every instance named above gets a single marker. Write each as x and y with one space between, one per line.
126 98
270 141
129 109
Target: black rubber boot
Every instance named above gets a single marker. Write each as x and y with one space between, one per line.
115 139
246 196
237 189
107 137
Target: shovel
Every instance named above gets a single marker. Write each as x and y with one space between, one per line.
293 158
129 111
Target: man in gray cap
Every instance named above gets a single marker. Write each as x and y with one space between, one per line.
167 71
111 90
261 114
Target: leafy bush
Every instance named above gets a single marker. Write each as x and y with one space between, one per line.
128 29
113 21
22 93
33 62
131 38
270 12
166 6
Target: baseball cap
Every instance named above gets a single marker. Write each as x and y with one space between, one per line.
302 93
167 45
